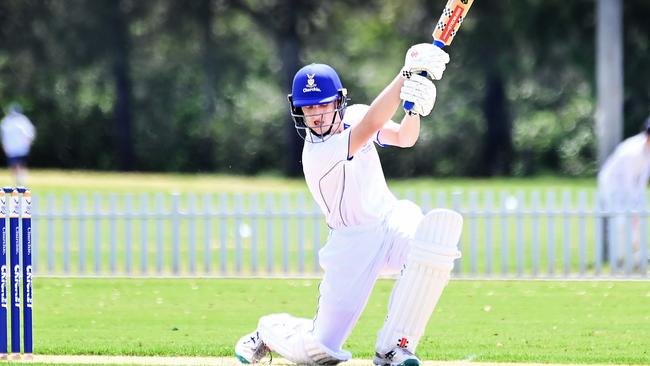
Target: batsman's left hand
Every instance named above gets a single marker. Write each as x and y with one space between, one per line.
421 91
425 57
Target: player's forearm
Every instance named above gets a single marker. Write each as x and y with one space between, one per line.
385 104
409 130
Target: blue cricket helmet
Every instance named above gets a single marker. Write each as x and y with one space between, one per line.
312 85
315 84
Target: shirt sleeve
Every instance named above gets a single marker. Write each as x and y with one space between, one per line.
30 131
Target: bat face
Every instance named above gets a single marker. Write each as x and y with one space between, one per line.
450 20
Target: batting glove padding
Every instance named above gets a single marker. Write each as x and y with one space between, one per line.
421 91
425 57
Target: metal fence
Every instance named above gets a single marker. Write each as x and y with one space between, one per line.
506 234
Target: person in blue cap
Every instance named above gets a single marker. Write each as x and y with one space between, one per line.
372 233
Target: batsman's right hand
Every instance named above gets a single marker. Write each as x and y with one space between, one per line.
425 57
421 92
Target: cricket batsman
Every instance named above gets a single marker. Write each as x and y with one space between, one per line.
371 231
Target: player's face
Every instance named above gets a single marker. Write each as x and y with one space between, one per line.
320 118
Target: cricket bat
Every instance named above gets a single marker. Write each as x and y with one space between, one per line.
452 17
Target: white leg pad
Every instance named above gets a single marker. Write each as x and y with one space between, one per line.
428 268
292 338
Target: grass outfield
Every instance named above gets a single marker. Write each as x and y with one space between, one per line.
74 181
593 322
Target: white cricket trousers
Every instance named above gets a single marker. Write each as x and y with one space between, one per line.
352 259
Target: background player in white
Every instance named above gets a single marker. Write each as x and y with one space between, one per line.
372 232
622 184
18 133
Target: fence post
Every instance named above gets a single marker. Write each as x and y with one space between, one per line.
191 214
35 233
473 230
50 233
582 245
599 247
207 228
255 227
456 198
628 238
238 212
98 232
112 224
270 243
566 208
284 216
160 216
550 239
489 199
643 233
520 210
144 251
536 214
176 229
223 232
503 197
425 201
65 218
441 199
81 214
128 232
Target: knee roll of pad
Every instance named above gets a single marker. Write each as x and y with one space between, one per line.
436 240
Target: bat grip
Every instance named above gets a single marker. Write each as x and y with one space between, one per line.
409 105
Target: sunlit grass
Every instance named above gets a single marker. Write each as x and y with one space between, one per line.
75 181
507 321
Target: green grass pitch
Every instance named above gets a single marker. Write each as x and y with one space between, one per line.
605 322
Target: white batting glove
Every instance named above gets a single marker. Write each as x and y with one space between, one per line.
421 91
425 57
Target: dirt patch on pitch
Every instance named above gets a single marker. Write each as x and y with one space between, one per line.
222 361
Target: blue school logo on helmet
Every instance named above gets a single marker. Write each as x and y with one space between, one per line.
313 85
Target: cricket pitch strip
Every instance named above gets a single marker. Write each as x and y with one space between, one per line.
224 361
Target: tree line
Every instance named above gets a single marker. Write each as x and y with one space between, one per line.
200 85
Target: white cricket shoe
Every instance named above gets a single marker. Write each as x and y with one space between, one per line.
398 356
251 349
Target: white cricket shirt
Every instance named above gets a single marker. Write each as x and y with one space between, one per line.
17 134
624 176
348 192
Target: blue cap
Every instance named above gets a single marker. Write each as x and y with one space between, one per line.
315 84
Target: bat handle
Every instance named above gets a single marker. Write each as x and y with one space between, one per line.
409 105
